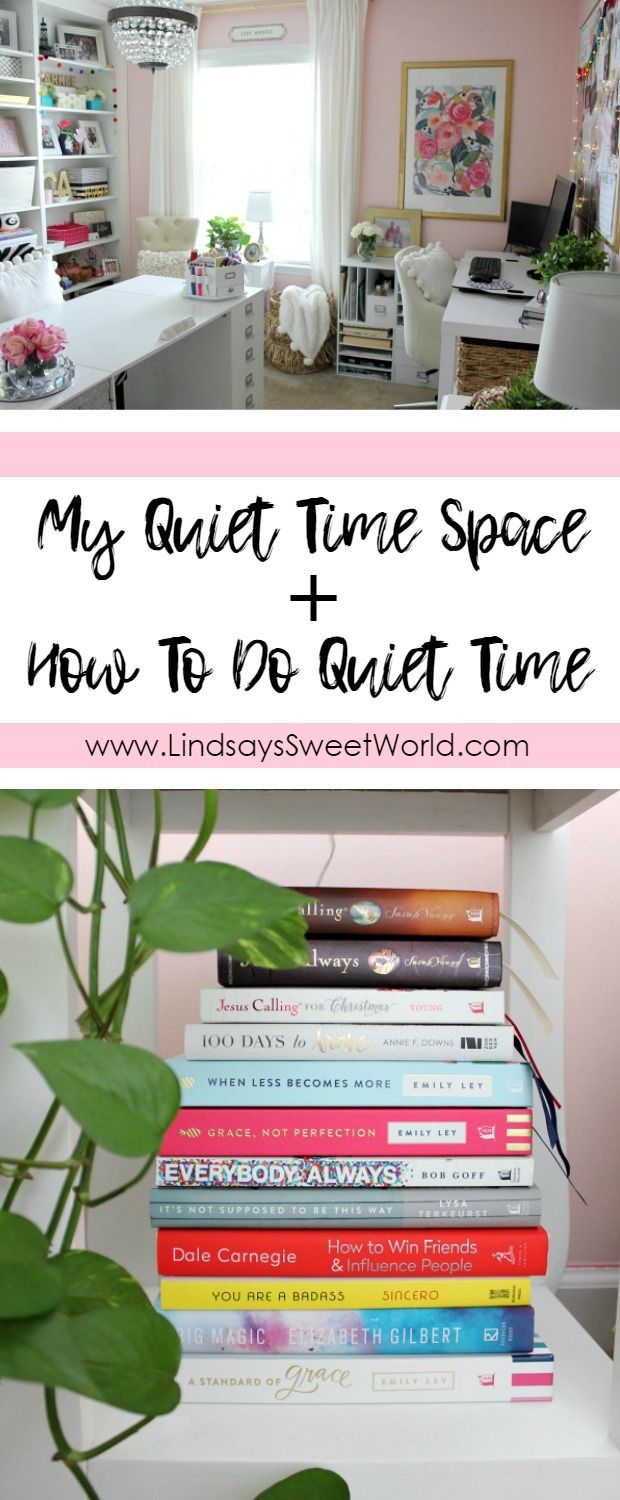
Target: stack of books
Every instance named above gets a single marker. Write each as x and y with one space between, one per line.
347 1191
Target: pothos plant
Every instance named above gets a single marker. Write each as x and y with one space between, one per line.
71 1319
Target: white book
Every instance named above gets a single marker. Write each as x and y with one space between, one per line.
189 1172
337 1041
392 1380
391 1007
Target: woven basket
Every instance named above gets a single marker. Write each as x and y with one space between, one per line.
278 345
480 364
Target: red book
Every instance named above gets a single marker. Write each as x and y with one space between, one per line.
437 1251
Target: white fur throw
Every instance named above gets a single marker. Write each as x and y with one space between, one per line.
433 270
27 285
304 316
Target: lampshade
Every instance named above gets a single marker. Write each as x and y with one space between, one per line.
579 357
154 34
260 208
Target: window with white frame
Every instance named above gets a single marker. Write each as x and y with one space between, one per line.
253 125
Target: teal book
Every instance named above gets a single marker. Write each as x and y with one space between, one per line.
445 1330
480 1084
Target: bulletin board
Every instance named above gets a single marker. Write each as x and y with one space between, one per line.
596 158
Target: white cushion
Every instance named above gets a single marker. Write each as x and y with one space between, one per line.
162 262
433 271
27 285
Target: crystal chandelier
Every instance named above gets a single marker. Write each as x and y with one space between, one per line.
153 34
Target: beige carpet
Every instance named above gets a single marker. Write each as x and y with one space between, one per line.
328 391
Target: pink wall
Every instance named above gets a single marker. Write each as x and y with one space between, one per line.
540 38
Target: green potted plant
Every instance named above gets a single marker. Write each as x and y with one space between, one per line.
226 234
70 1318
571 252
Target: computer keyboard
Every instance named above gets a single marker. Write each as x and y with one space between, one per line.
485 268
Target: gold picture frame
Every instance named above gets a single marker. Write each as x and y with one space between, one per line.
406 221
434 178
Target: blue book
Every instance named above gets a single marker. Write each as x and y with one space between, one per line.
447 1330
351 1084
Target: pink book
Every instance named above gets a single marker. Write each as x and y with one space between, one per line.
350 1132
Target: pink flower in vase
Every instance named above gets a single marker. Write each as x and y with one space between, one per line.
29 328
49 342
14 348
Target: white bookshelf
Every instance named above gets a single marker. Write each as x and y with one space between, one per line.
567 1449
39 215
371 335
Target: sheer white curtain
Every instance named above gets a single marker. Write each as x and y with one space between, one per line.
173 184
337 50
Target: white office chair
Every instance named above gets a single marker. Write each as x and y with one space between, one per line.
165 243
423 310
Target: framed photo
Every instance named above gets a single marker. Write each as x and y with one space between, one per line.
455 138
110 266
49 137
11 143
87 46
92 138
8 28
400 226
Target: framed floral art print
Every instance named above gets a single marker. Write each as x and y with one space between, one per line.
455 138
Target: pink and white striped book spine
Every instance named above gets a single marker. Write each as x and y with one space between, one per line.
344 1381
349 1132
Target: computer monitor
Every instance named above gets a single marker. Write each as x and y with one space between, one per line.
560 211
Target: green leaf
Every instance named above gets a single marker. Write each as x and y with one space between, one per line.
188 908
281 946
34 880
39 798
124 1098
29 1283
309 1484
4 992
103 1340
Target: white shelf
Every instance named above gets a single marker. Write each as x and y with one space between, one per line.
25 208
109 239
560 1449
65 65
4 103
14 52
88 286
91 159
19 160
79 203
80 114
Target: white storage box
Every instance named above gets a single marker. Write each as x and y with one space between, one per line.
16 186
214 282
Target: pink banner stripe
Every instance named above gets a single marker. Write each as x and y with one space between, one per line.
533 1379
291 747
284 455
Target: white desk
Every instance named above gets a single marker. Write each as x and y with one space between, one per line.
484 315
216 364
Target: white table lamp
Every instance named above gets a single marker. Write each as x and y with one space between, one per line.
579 356
260 211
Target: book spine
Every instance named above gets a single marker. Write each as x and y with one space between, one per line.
492 1209
402 913
485 1085
425 1380
329 1172
358 1132
425 963
342 1042
455 1330
392 1007
198 1293
316 1252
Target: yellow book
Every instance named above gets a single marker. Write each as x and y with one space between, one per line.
197 1293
